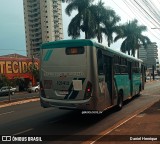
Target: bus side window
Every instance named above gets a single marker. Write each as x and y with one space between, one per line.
116 65
100 62
123 66
135 67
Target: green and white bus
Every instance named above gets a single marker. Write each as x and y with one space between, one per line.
85 75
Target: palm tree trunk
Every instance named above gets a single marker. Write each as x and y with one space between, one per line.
98 38
86 35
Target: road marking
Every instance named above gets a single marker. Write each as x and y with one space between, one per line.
118 124
6 113
23 131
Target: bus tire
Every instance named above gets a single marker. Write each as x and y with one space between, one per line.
120 100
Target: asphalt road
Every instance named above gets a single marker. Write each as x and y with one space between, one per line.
31 119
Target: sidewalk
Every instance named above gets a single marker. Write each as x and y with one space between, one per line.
144 128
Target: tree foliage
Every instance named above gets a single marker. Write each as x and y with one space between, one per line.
92 19
35 71
95 20
4 80
131 32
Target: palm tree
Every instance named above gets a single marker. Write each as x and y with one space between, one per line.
106 20
111 26
84 20
99 12
94 20
133 38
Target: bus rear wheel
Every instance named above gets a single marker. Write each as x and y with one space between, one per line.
120 100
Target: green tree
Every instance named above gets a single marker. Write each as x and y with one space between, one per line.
111 27
100 14
35 71
93 19
83 20
133 38
106 20
4 81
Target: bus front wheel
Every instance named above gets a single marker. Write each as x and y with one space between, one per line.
120 100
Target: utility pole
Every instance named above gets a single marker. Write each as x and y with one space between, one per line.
32 62
153 72
32 69
9 93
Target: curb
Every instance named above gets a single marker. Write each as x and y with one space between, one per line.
17 102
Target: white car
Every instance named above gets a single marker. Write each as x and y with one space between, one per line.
33 89
6 90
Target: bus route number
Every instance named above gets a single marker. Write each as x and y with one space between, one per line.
62 83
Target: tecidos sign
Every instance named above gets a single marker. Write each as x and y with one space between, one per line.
16 66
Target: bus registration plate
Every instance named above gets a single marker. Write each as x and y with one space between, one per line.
63 92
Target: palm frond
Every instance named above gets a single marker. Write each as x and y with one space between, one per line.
74 27
70 8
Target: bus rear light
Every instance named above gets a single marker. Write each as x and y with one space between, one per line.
88 90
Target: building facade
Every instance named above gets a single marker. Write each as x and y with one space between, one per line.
43 23
157 64
149 54
15 66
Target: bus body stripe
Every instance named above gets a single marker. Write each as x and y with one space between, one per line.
74 93
48 54
69 90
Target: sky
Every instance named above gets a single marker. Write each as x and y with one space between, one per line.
12 33
12 30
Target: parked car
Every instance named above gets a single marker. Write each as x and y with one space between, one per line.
6 90
33 89
157 77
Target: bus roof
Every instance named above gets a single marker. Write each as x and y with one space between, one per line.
83 42
68 43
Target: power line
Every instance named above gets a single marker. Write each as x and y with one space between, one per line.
121 9
135 13
150 21
152 8
146 12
